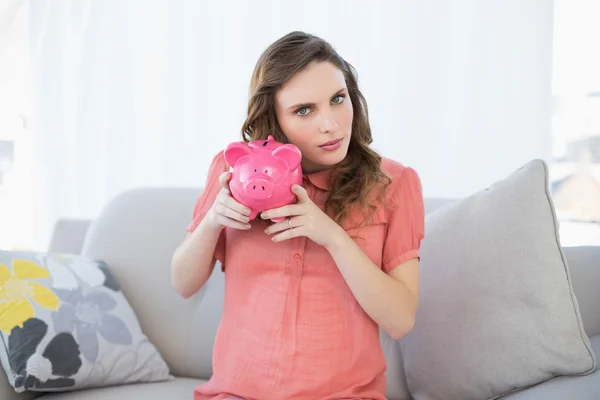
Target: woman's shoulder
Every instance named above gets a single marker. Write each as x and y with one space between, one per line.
401 175
218 159
218 164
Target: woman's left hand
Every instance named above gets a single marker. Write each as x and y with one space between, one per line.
303 218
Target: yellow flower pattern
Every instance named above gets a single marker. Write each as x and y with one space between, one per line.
17 292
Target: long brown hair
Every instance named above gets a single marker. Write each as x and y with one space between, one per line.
353 180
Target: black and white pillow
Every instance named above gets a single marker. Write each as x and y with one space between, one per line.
66 325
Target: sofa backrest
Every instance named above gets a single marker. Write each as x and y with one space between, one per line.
137 233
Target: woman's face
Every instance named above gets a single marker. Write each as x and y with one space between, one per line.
315 113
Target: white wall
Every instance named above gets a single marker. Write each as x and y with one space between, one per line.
144 92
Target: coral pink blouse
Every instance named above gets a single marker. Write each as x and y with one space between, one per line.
291 328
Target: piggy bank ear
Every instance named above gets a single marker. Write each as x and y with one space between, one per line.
234 151
290 154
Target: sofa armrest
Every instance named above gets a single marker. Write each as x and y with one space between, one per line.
584 266
68 236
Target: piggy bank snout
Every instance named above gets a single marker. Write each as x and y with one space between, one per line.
259 187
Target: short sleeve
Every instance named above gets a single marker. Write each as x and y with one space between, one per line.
206 199
406 221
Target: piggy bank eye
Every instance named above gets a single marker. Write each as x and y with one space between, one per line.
266 171
254 169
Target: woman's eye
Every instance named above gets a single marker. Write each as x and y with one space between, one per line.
340 99
302 111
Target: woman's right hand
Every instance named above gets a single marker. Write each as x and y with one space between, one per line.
226 211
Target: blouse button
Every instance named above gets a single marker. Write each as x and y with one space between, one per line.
297 257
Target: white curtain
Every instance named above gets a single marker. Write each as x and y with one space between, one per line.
131 93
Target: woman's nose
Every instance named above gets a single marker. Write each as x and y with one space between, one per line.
328 123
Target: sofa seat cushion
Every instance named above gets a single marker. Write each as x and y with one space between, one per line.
565 387
178 388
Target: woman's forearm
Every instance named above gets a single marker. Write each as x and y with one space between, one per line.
193 261
386 300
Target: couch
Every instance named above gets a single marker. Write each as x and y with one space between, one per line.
136 235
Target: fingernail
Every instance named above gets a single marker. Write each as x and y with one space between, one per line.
247 211
267 230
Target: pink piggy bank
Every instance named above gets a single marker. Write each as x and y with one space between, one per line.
262 174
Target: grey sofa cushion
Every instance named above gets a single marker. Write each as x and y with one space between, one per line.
180 388
394 374
140 256
497 311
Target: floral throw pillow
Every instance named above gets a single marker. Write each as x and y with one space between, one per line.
66 325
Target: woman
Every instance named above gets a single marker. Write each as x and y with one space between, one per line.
305 298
